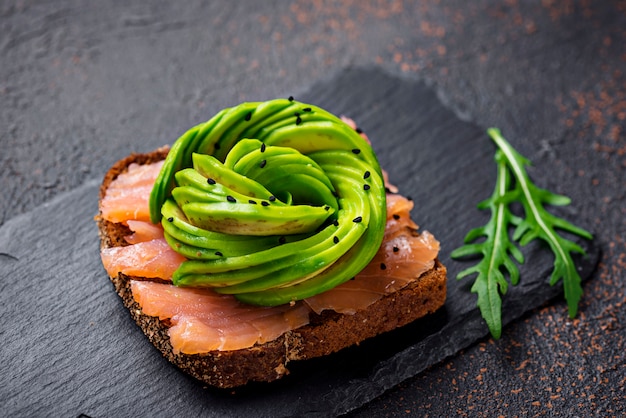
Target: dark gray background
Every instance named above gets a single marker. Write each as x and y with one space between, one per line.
82 86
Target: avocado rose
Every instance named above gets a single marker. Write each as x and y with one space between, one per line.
271 201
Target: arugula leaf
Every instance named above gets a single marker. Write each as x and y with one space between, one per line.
514 185
539 223
490 281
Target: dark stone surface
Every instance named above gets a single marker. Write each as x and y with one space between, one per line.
424 149
82 86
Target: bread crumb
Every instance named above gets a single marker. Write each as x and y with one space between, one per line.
281 370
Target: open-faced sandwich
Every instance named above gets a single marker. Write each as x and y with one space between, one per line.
265 235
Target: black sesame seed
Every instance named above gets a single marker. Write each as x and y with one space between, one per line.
282 240
366 174
262 163
383 266
357 219
264 203
356 151
231 199
336 223
409 198
210 181
359 130
387 190
290 98
326 208
396 249
298 120
248 116
306 109
396 216
252 202
336 240
262 147
366 187
170 219
272 198
219 254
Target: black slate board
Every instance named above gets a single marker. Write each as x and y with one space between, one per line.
70 348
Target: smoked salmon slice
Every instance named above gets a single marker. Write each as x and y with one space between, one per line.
149 254
127 196
143 231
151 259
204 321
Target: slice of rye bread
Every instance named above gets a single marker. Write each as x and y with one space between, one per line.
325 334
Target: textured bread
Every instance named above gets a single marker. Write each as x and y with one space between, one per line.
325 334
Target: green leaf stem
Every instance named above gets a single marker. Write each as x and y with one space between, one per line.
495 249
514 185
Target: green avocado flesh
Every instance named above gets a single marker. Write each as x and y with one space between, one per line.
270 201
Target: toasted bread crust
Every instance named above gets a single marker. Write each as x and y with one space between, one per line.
325 334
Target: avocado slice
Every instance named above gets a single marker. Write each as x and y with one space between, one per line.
192 239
